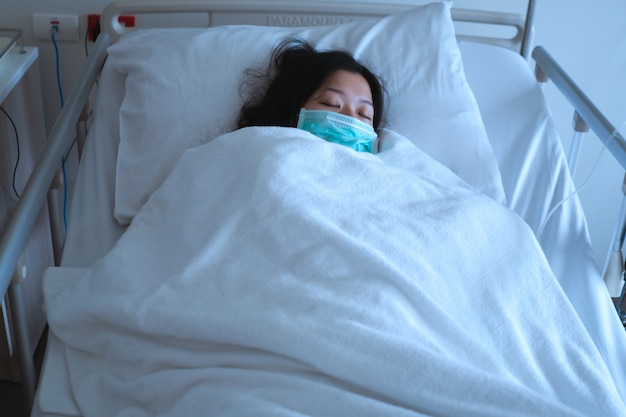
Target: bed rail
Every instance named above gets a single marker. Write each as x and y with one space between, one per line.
584 107
22 220
586 116
315 13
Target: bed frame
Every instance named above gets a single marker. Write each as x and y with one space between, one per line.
276 13
63 133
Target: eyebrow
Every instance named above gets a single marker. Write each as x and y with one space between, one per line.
343 93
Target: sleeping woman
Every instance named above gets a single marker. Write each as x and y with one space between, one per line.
332 95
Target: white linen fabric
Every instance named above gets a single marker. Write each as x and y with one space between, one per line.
183 88
537 182
274 273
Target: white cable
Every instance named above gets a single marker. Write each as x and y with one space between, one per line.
573 193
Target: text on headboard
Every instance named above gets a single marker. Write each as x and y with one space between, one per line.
308 20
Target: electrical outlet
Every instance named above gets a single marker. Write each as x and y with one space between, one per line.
93 24
93 27
66 26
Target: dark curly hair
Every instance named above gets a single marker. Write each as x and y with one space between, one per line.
295 72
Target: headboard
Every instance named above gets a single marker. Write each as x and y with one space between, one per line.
509 30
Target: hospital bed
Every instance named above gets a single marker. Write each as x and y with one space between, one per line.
161 92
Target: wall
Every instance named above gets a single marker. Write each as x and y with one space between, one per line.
586 37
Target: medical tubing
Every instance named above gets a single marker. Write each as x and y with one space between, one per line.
573 193
60 86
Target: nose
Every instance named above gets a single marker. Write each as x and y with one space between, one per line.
349 111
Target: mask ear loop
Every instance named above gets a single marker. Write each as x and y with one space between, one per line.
577 190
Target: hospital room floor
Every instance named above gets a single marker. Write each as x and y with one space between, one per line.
11 400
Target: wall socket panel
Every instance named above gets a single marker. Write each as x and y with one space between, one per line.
67 26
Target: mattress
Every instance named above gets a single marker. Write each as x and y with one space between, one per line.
534 173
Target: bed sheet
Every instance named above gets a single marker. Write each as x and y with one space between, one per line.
506 124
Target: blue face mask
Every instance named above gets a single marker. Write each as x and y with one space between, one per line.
339 128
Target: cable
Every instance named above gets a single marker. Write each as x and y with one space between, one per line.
54 30
17 143
573 193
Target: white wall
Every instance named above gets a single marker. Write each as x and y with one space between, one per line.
586 37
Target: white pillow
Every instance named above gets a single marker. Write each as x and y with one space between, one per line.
183 89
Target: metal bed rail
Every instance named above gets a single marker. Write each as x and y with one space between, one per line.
547 68
276 11
22 220
588 116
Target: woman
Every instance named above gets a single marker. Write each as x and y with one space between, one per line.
328 93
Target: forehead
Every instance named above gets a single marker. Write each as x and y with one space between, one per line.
347 82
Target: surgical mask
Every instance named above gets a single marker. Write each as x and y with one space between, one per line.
339 128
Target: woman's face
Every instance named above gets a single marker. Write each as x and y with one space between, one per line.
344 92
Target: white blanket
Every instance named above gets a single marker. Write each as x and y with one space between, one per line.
275 274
